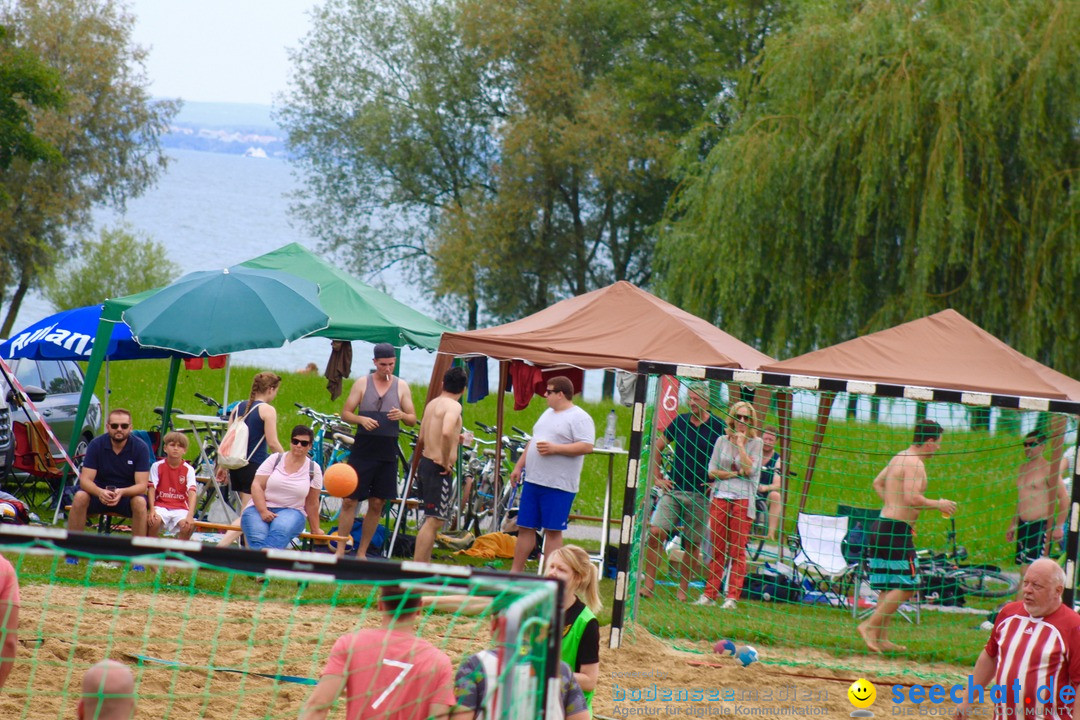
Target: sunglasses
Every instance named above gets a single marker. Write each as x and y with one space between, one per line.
550 391
743 418
1030 444
119 426
301 443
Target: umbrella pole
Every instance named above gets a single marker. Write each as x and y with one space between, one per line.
228 369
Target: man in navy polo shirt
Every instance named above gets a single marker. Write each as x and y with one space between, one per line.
114 477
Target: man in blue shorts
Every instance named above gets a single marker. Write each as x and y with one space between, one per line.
551 464
114 476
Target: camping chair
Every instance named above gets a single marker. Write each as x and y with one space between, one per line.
32 464
819 556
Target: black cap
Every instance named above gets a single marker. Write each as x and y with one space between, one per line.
384 350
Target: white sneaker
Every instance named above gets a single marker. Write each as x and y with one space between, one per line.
729 604
704 600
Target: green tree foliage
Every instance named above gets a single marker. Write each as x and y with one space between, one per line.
892 158
24 81
115 264
107 133
518 152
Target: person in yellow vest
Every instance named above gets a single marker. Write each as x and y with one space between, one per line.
581 629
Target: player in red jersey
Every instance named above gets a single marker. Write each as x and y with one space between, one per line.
1037 642
387 672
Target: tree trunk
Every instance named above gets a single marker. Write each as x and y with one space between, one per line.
474 309
607 391
979 418
16 303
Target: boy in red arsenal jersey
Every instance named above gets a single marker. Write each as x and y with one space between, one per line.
172 490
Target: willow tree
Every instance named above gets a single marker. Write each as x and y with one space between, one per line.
892 158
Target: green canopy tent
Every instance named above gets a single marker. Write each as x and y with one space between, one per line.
357 311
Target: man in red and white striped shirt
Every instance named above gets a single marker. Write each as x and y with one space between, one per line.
1035 642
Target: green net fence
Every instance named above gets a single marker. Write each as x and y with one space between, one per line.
239 634
805 519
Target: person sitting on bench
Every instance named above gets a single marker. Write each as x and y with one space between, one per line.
284 495
114 476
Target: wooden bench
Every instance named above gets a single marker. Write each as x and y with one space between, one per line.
307 540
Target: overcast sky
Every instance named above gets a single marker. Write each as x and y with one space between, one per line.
219 50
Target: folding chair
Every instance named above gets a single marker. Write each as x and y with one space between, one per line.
32 464
819 556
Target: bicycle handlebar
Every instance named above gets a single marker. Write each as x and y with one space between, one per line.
209 401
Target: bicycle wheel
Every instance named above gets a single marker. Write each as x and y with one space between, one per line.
329 507
983 582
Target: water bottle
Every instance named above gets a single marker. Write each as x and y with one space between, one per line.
609 432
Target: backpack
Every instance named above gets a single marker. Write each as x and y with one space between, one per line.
232 451
770 585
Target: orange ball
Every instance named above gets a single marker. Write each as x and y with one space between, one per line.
340 479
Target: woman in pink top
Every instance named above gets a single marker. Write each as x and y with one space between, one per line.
284 494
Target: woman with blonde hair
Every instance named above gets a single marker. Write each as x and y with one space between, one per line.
581 629
261 418
735 467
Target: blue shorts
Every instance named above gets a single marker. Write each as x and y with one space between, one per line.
544 508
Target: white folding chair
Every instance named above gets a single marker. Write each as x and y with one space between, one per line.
820 558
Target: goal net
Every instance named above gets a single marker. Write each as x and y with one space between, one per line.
757 512
210 632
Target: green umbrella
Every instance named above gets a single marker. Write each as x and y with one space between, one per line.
223 311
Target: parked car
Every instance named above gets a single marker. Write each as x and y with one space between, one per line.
62 381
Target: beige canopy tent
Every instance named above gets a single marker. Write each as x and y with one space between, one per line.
613 327
610 328
944 351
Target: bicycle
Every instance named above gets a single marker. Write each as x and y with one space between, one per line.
979 580
327 454
483 514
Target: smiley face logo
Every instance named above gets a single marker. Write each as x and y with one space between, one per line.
862 693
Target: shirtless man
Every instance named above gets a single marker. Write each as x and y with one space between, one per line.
376 404
891 546
439 435
1038 487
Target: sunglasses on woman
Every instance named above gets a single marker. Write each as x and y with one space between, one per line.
301 443
742 418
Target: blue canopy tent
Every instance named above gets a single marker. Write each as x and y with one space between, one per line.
69 335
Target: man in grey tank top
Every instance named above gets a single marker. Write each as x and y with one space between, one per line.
376 404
